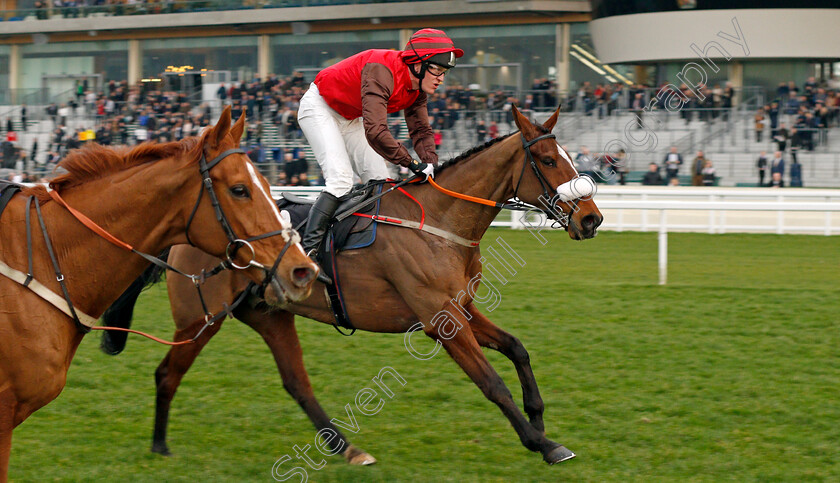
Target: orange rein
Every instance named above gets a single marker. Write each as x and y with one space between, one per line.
454 194
125 246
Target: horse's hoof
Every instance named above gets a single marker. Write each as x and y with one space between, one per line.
558 455
355 456
161 450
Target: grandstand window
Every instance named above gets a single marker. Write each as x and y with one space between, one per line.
311 53
235 54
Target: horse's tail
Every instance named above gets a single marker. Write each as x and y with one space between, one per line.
119 314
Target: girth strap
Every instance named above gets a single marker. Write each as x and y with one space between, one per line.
390 220
46 294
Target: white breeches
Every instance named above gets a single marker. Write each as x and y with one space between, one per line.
340 145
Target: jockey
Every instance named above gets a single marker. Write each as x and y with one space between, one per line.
344 117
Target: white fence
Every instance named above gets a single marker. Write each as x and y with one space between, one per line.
712 210
709 210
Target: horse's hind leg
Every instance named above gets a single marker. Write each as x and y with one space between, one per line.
169 373
277 328
490 335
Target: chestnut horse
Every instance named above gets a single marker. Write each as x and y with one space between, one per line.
407 276
146 196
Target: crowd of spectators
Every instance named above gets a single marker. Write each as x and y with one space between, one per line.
128 115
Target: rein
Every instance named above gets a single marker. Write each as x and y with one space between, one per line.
518 204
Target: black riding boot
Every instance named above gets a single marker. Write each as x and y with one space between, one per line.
316 225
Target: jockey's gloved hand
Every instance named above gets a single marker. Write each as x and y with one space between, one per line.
424 169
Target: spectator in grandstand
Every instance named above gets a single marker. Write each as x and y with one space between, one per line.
776 181
638 108
652 177
709 178
759 124
761 164
344 117
780 137
481 132
777 165
773 114
585 163
697 169
795 174
493 130
795 142
673 161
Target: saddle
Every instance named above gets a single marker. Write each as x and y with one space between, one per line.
351 233
7 191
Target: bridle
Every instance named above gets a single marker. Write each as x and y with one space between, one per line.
549 198
234 242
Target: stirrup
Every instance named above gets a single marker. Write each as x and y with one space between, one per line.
322 276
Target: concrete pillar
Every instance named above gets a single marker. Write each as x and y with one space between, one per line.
641 73
135 62
264 65
405 36
14 69
562 43
736 77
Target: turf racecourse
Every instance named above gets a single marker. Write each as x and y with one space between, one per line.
730 372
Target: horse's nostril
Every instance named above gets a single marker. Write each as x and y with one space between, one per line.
302 274
590 222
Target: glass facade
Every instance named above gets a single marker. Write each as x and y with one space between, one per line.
4 67
235 54
57 67
504 57
312 52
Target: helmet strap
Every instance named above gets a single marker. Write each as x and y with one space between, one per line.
424 66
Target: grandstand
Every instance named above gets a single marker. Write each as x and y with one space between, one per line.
538 54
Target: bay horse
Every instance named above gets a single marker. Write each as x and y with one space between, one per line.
405 277
145 196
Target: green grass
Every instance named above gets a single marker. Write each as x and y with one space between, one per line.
730 372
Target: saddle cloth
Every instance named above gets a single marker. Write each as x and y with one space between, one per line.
7 191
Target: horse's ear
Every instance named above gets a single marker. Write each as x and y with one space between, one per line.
238 128
549 124
220 130
521 121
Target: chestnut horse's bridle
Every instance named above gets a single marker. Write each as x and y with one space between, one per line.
234 242
233 245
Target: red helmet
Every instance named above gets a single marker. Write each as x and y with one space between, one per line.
433 46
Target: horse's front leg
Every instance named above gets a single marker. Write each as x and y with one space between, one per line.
7 424
277 328
171 371
488 334
453 331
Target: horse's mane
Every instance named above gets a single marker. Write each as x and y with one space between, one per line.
471 152
477 149
94 161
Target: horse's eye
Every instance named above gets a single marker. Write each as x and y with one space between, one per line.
240 191
548 162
